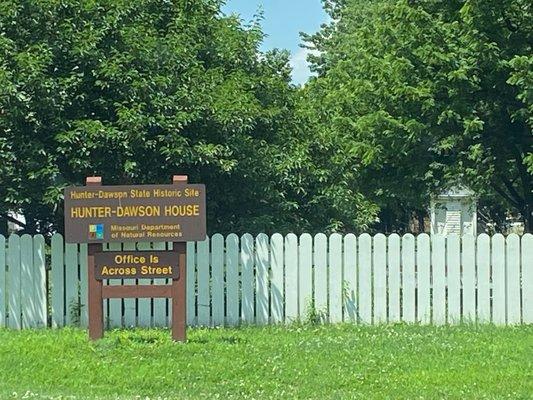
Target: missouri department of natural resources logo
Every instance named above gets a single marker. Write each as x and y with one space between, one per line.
96 231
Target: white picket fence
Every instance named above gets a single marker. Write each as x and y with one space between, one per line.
245 280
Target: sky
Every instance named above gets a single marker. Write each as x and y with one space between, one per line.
283 20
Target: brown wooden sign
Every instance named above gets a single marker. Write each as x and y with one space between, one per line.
136 265
97 214
142 213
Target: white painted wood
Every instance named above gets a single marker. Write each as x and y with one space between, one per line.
277 285
335 278
248 278
408 278
191 284
204 297
114 311
262 298
232 280
527 278
144 305
291 278
469 278
217 279
380 278
286 271
483 278
305 272
14 284
39 282
130 305
321 274
438 265
365 278
394 277
58 285
498 280
26 282
3 283
350 278
71 284
423 276
453 277
84 285
514 311
160 305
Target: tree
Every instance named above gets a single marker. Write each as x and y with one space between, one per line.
421 95
136 91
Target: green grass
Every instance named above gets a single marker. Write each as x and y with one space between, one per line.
297 362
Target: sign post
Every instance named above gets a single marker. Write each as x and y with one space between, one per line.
179 287
95 303
99 214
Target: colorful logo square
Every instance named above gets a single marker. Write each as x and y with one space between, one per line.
96 231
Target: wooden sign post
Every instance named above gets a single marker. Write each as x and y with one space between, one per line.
136 213
94 303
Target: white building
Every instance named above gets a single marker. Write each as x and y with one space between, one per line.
454 211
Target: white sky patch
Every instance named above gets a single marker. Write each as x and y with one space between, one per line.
300 66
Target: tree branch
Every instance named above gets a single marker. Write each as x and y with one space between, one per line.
13 220
512 192
506 196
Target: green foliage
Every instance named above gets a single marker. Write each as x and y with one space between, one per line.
416 96
136 91
296 362
314 316
75 309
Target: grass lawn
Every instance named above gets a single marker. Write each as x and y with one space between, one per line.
296 362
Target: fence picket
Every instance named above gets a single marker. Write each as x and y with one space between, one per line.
160 305
483 278
262 298
58 284
321 274
350 278
39 282
232 277
423 275
513 279
26 282
498 280
13 261
365 278
84 285
438 265
129 317
527 278
305 274
408 278
3 285
380 278
335 278
276 284
191 284
204 298
291 277
217 276
394 277
453 278
469 278
247 274
144 305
